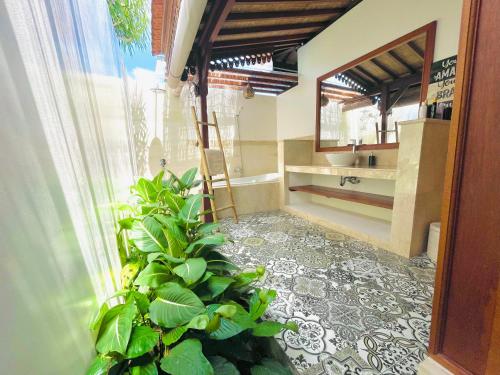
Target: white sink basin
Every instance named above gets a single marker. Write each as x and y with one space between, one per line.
344 159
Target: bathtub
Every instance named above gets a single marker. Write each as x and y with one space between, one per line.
260 179
251 194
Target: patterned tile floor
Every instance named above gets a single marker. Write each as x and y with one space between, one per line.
360 310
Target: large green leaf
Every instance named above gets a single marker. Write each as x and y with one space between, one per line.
142 340
222 366
158 180
174 306
269 328
191 209
210 240
141 301
269 367
95 325
148 235
259 302
101 365
176 238
222 328
153 275
149 369
218 284
174 335
188 177
187 358
191 270
174 202
218 262
153 256
116 328
207 228
199 322
146 190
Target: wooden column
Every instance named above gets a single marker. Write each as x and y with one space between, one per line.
202 69
384 101
465 333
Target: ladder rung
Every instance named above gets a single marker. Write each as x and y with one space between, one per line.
225 207
205 123
216 180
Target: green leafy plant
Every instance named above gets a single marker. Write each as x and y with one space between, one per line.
131 23
184 308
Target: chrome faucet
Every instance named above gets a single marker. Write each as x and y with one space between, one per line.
353 141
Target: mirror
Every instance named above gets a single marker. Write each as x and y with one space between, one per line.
362 101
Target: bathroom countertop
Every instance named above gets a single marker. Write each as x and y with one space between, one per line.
378 172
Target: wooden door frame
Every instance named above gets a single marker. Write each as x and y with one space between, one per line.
453 179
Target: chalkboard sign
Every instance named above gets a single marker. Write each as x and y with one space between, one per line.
442 80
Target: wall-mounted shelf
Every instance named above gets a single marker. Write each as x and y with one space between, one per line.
382 173
349 195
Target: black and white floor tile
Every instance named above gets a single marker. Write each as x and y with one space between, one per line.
360 310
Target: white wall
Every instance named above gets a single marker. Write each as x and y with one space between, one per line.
64 157
368 26
258 119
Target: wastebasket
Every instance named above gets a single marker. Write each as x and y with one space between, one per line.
433 241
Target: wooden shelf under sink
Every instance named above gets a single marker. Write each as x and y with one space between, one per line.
378 200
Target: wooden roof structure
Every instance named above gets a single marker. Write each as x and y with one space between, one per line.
237 33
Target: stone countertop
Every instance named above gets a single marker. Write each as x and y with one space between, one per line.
378 172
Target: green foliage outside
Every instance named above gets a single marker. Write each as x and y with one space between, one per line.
131 22
184 307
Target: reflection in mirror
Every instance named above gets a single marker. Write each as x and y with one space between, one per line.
362 102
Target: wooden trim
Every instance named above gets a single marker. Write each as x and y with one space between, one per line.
258 40
453 173
284 14
429 29
347 195
217 16
381 146
265 29
378 51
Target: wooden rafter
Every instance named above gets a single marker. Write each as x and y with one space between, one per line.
284 14
217 16
263 29
365 73
257 41
384 68
400 60
416 49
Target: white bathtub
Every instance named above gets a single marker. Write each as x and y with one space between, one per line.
251 194
260 179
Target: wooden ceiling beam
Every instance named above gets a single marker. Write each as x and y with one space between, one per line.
257 41
219 81
252 50
251 80
264 29
384 68
366 73
257 74
211 28
400 60
416 49
247 16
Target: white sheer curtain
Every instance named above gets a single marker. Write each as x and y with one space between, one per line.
65 155
180 147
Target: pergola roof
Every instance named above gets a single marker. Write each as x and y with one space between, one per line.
237 33
254 28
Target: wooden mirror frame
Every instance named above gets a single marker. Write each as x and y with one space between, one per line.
430 31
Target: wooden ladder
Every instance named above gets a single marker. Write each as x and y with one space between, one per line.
214 164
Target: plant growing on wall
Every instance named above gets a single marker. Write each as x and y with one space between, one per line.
131 23
184 307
